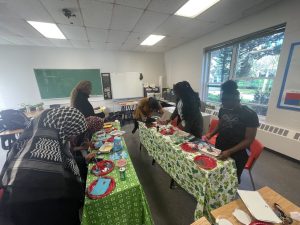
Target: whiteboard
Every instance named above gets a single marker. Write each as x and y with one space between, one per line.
126 85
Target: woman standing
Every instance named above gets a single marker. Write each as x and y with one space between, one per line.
80 96
40 177
187 109
237 127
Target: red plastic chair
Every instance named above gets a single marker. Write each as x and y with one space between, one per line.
212 126
256 149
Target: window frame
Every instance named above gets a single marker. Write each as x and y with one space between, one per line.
234 58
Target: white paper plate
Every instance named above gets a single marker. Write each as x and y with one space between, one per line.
242 216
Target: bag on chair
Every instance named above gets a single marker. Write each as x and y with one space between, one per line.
13 119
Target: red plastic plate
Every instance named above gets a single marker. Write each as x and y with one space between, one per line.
111 187
205 162
169 131
257 222
102 165
189 147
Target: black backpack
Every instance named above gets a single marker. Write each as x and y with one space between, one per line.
11 119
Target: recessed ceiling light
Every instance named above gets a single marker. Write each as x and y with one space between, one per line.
49 30
152 39
193 8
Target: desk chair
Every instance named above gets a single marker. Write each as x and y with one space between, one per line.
212 126
54 106
256 149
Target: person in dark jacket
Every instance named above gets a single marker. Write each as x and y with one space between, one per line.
79 99
237 127
187 111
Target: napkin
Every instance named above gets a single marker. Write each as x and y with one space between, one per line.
101 187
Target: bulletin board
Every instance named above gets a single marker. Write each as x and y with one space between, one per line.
289 97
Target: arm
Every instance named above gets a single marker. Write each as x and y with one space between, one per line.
174 114
249 137
213 133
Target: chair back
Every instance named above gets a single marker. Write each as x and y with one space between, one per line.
213 124
256 149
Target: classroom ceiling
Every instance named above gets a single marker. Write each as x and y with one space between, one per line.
116 24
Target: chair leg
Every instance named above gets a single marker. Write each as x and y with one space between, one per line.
251 178
153 161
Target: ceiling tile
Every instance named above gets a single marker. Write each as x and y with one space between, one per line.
97 44
150 21
171 41
54 7
80 44
28 10
113 46
107 1
141 4
96 14
141 48
227 11
40 41
166 6
115 36
124 18
16 40
5 31
61 43
129 46
74 32
5 42
95 34
19 27
172 25
136 38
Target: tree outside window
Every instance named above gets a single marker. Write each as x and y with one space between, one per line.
252 63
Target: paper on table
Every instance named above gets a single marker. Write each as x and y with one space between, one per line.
258 207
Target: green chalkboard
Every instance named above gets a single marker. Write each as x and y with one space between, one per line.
58 83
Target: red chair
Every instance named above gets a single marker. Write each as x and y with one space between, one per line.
256 149
213 124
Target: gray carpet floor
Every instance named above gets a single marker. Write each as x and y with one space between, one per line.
176 206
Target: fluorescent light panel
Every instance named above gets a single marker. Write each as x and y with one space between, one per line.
152 39
49 30
193 8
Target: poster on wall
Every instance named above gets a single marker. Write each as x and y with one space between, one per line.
289 97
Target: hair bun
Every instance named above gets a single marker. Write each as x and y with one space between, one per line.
229 86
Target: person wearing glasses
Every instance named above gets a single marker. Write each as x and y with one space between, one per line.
237 127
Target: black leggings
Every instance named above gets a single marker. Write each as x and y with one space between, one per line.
240 158
46 212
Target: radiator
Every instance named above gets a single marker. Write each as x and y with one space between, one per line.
280 139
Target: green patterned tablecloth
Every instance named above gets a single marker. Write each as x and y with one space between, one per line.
126 205
211 188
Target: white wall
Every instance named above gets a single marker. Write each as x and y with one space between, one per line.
186 61
17 80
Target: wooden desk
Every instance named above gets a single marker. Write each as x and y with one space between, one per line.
33 114
268 195
201 221
11 132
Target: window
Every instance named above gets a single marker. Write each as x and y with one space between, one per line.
251 61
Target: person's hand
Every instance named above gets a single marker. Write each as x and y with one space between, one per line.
163 122
89 156
207 136
224 155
